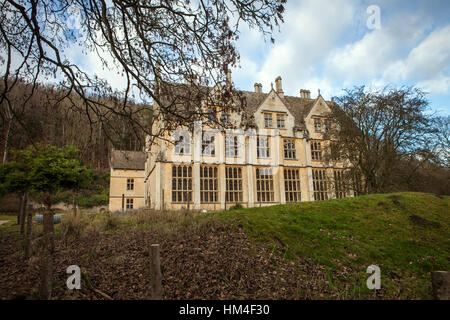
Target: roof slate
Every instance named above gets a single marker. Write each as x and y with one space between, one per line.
132 160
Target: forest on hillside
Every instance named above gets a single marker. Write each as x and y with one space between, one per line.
48 117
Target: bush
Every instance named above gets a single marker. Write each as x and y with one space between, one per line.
93 200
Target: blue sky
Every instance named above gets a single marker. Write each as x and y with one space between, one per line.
327 45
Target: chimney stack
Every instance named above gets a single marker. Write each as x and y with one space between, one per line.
258 87
278 86
228 78
305 94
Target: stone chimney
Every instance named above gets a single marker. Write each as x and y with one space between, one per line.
279 86
305 94
228 78
258 87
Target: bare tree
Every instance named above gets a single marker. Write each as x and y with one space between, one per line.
149 43
378 133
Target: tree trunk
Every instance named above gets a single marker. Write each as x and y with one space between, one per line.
28 236
46 265
23 213
19 212
5 150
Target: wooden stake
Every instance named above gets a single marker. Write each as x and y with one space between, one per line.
28 235
155 270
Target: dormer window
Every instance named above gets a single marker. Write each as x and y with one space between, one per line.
267 120
317 124
281 121
226 116
211 114
328 124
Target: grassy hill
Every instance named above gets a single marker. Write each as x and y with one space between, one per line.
405 234
312 250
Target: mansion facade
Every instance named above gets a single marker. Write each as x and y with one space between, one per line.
272 154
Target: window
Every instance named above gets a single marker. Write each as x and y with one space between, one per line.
317 125
267 120
280 121
316 151
209 184
211 114
130 184
320 185
129 204
182 143
208 147
262 147
226 116
231 146
289 148
264 185
328 124
339 184
181 183
292 185
233 181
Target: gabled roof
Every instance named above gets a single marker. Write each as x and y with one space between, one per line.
132 160
187 96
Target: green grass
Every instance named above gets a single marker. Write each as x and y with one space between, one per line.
348 235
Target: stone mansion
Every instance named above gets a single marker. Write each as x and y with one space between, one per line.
273 154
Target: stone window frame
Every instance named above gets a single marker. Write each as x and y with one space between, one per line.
263 149
316 150
289 150
234 184
129 204
130 184
208 145
264 185
340 189
268 120
317 124
281 121
320 184
182 143
231 149
209 184
292 184
181 183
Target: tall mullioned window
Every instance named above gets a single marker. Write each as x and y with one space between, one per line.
233 181
208 145
209 184
130 203
181 183
264 185
320 184
289 148
231 146
340 187
267 120
262 147
316 151
292 185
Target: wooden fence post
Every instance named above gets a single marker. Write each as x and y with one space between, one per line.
28 234
47 257
155 270
440 282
